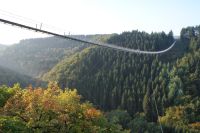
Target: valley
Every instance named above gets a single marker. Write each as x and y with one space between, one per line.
123 85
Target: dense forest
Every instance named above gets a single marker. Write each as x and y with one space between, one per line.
136 92
116 80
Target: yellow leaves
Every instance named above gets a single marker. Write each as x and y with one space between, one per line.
68 97
173 114
195 125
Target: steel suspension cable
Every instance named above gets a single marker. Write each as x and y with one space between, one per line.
155 103
85 41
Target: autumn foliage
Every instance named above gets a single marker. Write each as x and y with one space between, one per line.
52 110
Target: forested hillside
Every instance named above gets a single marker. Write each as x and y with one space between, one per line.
117 80
34 57
9 78
112 78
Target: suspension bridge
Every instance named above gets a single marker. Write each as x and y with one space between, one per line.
36 29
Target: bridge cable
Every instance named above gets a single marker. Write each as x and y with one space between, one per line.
85 41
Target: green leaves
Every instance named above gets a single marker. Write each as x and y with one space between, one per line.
175 88
11 124
6 93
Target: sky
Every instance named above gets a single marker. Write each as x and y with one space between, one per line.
97 16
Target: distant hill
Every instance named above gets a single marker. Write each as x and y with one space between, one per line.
33 57
9 77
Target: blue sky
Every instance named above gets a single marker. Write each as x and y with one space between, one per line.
101 16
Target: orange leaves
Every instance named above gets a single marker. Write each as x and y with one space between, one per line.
38 92
13 105
92 113
50 104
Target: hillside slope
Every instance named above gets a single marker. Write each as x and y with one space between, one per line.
117 80
33 57
106 77
9 77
